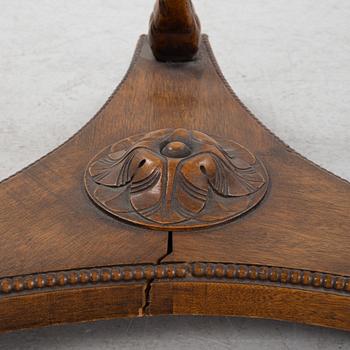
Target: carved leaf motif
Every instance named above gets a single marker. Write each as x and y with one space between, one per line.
140 168
173 176
193 185
109 171
146 185
228 177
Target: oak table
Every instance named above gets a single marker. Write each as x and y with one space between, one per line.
246 226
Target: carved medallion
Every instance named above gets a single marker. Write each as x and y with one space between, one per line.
176 179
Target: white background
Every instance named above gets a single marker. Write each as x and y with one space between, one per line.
289 61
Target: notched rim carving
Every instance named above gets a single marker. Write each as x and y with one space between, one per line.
175 179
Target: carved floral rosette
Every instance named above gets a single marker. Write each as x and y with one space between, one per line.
176 180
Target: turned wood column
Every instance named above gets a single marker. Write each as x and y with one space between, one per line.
175 30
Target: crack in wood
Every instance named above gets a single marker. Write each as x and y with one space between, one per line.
148 288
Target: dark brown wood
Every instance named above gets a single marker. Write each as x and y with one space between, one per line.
63 259
176 179
47 221
71 305
175 30
256 301
188 272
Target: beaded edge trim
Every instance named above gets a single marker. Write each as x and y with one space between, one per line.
192 272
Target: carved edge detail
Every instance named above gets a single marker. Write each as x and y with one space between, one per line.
206 42
134 59
190 272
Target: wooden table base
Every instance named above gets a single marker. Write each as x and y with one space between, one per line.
174 223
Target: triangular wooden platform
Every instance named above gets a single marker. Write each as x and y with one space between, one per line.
63 259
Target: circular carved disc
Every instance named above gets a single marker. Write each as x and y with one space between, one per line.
175 179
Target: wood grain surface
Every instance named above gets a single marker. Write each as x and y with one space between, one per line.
212 298
68 306
63 259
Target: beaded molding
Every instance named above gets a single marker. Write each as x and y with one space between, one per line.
194 271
